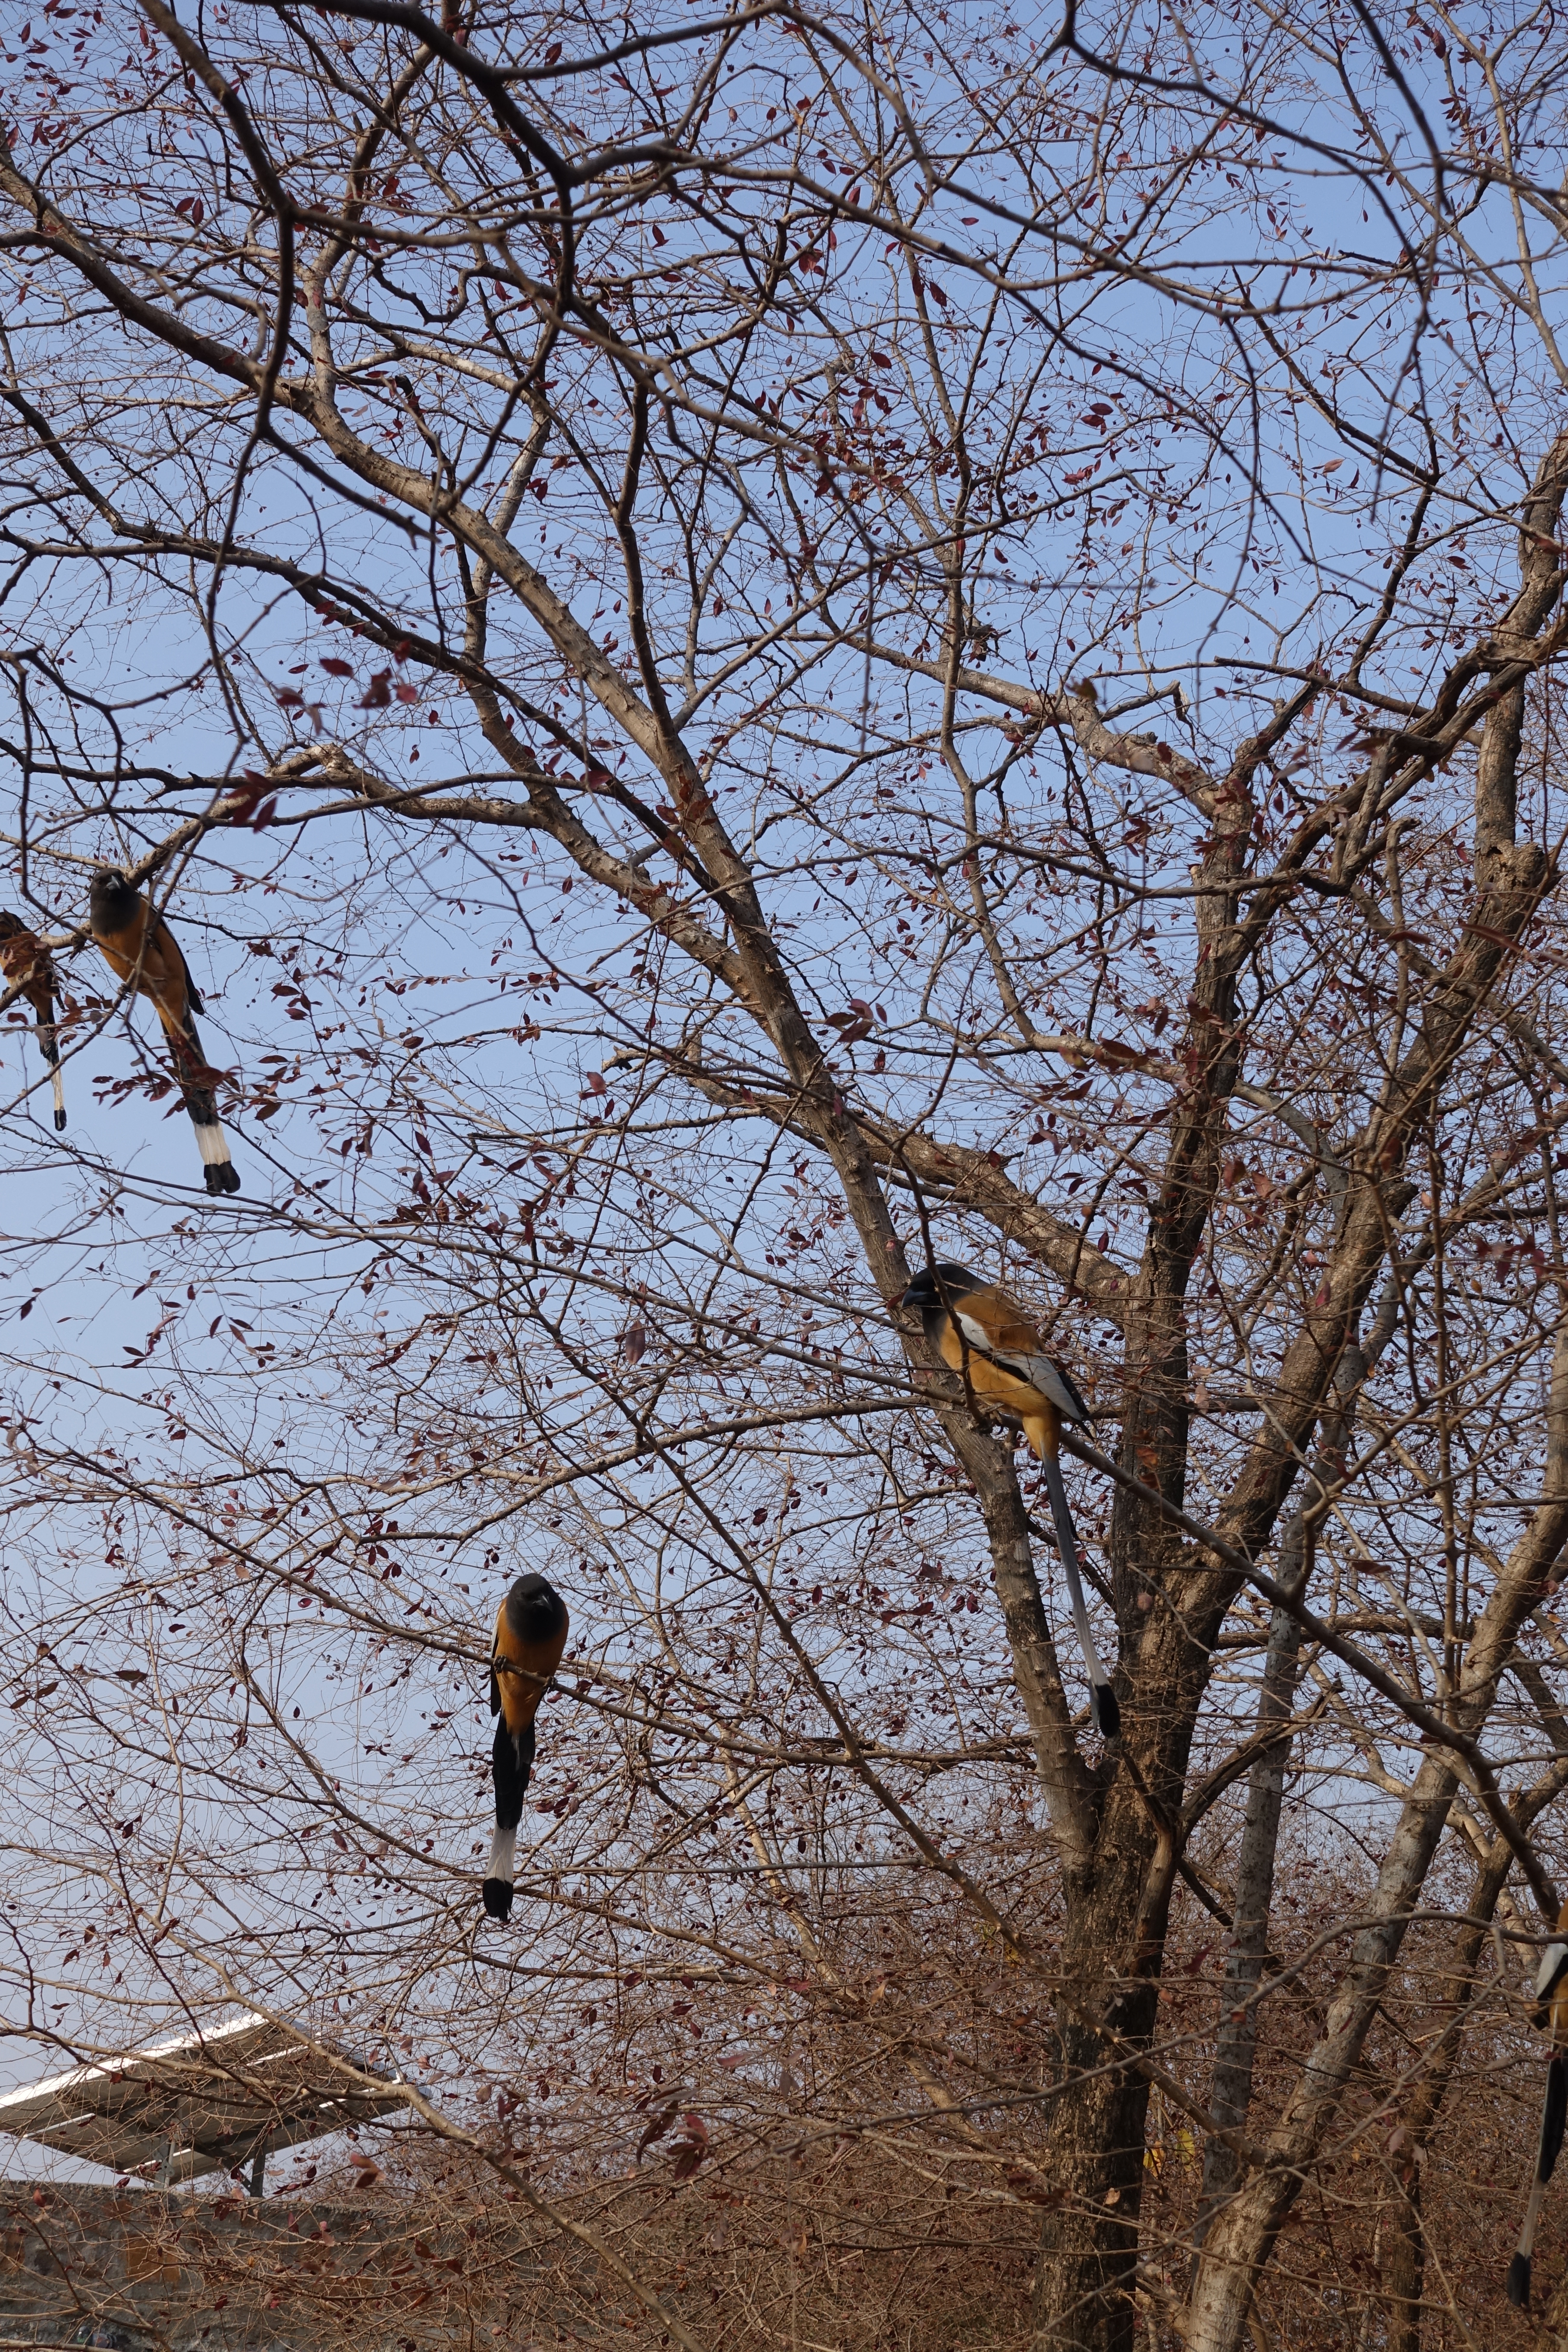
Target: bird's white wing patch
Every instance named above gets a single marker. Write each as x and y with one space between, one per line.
1550 1973
978 1339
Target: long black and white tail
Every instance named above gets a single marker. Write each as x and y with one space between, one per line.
512 1763
49 1048
1553 2115
1107 1713
217 1166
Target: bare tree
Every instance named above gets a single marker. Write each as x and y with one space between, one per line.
755 652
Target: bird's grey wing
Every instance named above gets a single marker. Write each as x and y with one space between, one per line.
1041 1373
1027 1363
1056 1386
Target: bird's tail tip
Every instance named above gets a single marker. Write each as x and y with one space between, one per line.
1106 1710
1519 2282
216 1166
59 1122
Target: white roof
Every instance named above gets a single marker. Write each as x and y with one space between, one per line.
197 2102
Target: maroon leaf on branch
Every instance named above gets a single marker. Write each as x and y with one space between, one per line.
657 2127
690 2148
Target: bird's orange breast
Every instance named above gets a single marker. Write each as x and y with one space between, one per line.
522 1692
120 949
152 956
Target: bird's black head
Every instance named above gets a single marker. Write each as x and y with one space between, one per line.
934 1282
111 901
534 1610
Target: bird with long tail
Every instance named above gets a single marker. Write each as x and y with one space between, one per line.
140 949
1551 2011
531 1626
28 966
987 1337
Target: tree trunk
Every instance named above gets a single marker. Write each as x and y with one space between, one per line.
1232 2090
1404 2267
1111 1956
1088 2249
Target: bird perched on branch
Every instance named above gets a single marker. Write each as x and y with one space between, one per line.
531 1626
27 965
1551 2011
142 949
987 1337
